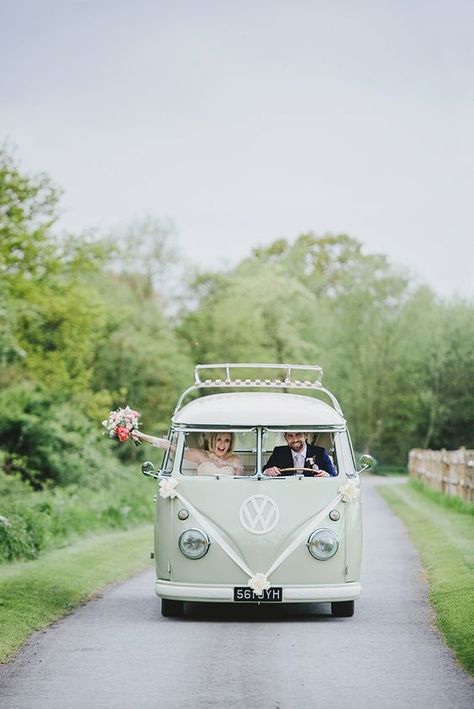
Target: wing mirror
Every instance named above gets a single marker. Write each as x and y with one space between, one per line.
148 469
366 461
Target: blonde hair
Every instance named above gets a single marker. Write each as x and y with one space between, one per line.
212 438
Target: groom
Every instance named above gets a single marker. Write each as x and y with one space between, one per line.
299 454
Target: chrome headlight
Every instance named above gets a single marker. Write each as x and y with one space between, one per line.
322 544
193 543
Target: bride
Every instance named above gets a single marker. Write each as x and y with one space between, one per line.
220 459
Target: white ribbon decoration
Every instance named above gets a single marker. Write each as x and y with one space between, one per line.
208 527
167 488
303 534
348 492
259 583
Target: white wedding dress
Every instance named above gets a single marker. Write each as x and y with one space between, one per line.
209 468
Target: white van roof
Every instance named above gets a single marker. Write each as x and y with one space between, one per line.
242 409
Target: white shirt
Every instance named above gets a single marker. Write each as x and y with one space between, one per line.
299 459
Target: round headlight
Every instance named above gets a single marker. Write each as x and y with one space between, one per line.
193 543
322 544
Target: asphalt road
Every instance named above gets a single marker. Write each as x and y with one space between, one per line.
118 652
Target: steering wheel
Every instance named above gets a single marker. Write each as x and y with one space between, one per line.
297 470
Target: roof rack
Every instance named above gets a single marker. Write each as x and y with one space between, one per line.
261 382
229 380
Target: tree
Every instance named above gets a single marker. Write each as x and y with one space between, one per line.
322 300
139 360
28 208
50 320
449 372
147 256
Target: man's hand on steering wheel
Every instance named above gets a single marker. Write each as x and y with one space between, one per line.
272 472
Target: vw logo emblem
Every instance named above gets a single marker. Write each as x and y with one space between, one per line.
259 514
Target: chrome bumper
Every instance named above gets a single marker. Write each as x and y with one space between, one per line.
225 593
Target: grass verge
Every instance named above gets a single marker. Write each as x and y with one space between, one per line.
32 522
443 536
35 593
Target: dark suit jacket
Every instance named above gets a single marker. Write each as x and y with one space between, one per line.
282 457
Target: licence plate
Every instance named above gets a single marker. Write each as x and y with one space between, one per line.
271 595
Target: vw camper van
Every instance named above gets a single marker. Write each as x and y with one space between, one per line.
240 536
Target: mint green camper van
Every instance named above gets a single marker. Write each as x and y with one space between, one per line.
233 533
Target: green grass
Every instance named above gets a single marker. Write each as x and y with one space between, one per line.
389 470
34 522
450 501
443 533
35 593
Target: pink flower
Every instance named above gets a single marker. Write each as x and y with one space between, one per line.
121 433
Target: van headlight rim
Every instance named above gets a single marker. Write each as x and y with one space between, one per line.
193 543
322 544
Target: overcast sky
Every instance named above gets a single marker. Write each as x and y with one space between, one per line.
247 121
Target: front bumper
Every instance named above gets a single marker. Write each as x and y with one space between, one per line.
225 593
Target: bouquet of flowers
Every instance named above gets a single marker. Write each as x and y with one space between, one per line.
121 423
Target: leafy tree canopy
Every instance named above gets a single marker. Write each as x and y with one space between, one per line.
88 324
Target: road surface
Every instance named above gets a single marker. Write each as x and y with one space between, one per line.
118 652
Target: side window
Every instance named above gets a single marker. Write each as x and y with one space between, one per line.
169 455
344 454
